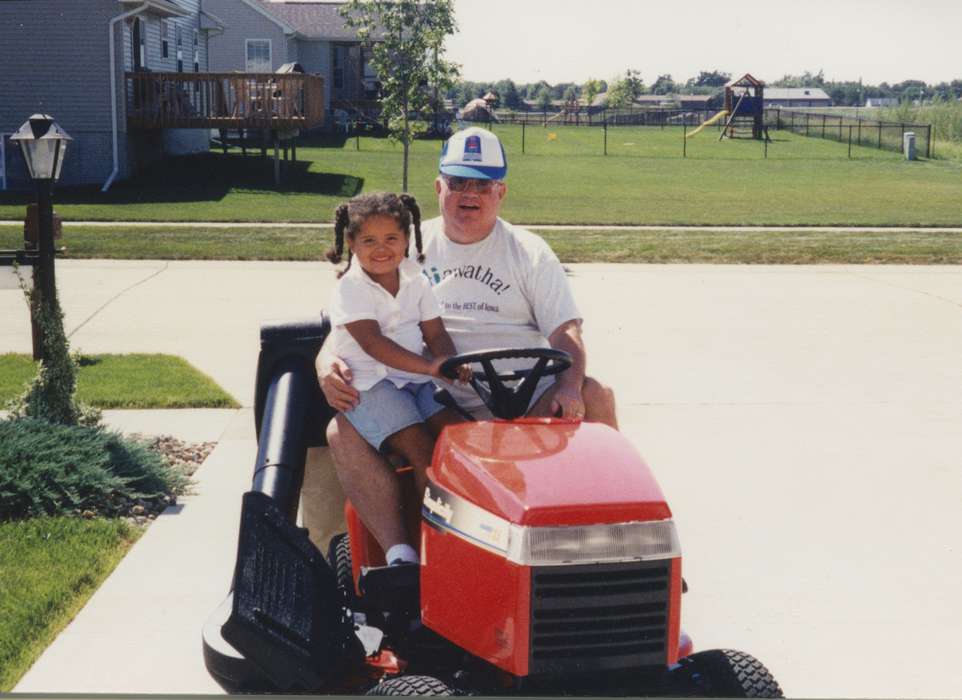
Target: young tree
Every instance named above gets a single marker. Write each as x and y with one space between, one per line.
407 41
590 90
543 99
624 91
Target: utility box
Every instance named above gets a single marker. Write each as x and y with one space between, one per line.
908 145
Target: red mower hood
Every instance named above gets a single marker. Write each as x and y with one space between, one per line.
543 472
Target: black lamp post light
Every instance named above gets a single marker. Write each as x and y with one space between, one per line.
44 145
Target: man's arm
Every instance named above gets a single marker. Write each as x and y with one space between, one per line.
568 396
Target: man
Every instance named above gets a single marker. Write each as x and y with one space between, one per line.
498 286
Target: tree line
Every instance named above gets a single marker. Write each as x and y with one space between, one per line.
623 89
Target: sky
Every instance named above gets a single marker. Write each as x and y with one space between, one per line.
573 40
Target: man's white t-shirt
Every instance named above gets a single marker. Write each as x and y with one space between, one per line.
357 297
508 290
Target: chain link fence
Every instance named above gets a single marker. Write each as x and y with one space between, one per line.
851 129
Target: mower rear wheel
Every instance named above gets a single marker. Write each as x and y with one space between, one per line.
339 556
725 673
412 685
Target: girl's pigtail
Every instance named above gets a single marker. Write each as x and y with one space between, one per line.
336 253
412 205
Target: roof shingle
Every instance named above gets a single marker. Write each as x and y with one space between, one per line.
312 20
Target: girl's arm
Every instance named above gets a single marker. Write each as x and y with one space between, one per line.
368 335
442 347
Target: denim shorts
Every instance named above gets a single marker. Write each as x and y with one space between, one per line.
386 409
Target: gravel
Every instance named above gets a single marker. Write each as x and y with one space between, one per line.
185 457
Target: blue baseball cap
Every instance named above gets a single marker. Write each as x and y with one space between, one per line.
476 153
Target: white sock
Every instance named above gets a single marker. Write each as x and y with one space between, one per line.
404 552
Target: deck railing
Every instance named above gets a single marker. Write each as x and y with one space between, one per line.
224 100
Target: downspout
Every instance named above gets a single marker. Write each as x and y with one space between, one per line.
113 90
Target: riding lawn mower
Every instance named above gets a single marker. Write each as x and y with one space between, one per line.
550 563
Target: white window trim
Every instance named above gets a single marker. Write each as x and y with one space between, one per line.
270 54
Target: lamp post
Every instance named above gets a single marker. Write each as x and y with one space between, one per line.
44 145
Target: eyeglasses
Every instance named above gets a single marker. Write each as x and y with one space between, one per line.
463 184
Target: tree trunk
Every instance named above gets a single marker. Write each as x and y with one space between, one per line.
406 140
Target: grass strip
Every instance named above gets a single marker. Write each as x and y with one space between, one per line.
133 380
49 568
581 245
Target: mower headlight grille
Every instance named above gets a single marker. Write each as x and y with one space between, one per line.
547 546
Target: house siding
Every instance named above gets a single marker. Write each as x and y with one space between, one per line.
72 83
79 69
228 50
315 57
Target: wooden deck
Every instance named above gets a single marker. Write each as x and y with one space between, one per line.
224 101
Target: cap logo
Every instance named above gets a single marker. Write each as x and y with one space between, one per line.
472 148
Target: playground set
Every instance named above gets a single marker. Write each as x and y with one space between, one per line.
744 111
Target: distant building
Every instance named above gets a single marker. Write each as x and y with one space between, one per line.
796 97
881 102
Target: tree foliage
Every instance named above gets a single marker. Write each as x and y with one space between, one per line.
624 92
407 41
591 89
543 99
664 85
710 78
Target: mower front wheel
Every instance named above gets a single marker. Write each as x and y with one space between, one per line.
724 673
412 685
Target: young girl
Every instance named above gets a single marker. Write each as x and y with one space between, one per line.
382 312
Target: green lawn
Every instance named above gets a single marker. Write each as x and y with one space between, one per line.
126 381
562 178
49 567
648 246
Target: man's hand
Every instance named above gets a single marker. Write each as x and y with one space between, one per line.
567 402
335 378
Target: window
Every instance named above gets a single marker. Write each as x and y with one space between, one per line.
165 38
338 71
196 51
180 50
139 44
259 56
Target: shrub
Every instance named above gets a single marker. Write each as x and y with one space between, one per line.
51 469
51 396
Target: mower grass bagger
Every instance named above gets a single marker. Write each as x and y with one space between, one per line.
549 559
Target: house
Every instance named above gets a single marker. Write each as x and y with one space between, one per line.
796 97
130 81
881 102
262 35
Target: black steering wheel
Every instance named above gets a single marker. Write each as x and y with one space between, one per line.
502 400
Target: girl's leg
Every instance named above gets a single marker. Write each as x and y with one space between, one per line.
448 416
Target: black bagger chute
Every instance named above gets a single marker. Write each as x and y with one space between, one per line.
283 626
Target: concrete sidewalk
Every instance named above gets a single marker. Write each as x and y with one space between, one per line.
803 423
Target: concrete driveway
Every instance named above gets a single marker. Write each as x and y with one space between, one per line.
805 424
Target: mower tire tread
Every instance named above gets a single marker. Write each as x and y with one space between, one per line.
339 556
730 674
412 685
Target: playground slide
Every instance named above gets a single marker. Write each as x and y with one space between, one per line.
709 122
